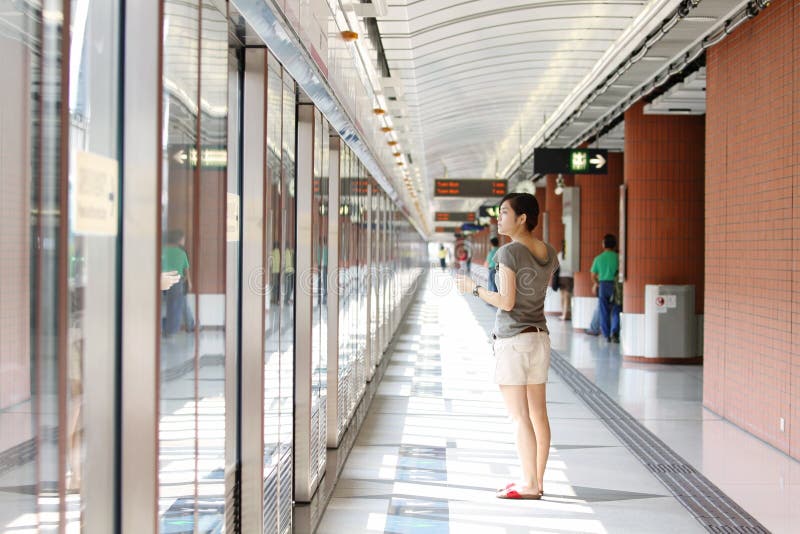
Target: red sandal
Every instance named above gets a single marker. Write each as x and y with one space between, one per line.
510 493
510 484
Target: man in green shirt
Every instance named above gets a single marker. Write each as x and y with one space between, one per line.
175 259
605 268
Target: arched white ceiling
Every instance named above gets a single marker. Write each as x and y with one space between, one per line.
484 79
481 76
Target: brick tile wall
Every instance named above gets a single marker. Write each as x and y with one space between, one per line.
752 330
599 216
664 169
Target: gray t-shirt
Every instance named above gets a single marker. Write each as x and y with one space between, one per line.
533 277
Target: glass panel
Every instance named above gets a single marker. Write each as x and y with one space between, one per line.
319 348
319 259
345 253
31 418
209 298
273 245
179 363
92 264
288 211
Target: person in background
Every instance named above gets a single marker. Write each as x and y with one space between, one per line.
175 259
461 255
521 338
566 284
604 270
491 264
442 257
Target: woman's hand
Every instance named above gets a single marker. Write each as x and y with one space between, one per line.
464 284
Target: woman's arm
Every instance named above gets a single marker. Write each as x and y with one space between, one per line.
504 298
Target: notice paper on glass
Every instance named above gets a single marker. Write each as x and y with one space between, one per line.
95 195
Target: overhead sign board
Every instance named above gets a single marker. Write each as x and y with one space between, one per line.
471 188
455 216
353 186
570 160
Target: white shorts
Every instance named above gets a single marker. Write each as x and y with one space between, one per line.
522 359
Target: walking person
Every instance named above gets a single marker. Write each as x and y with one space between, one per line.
604 271
442 257
566 283
521 338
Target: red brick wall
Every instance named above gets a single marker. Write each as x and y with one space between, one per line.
664 170
599 216
752 319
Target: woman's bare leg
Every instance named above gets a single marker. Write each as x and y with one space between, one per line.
517 404
537 408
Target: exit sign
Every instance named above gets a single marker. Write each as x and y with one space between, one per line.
570 161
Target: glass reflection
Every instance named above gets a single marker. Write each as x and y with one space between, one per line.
29 411
273 301
194 183
209 300
178 363
288 212
92 266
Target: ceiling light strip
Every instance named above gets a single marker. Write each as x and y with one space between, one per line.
270 24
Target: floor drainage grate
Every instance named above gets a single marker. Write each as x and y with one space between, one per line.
671 468
706 502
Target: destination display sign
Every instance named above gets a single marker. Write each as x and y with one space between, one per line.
471 188
353 186
455 216
570 160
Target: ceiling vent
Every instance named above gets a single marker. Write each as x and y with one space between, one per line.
684 98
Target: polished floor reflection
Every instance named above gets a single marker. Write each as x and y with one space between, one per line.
437 442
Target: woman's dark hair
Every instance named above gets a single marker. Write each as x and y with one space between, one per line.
609 241
524 203
494 241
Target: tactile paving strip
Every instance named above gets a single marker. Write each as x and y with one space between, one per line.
705 501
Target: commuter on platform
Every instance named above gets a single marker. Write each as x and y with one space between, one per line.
175 260
605 268
491 264
566 283
442 257
521 338
462 259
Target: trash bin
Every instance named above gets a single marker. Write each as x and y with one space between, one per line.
670 322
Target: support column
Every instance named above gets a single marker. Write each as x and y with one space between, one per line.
541 198
551 219
599 216
664 172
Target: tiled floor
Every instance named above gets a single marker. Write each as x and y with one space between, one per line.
437 443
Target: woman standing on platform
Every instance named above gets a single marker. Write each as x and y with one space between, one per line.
521 338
